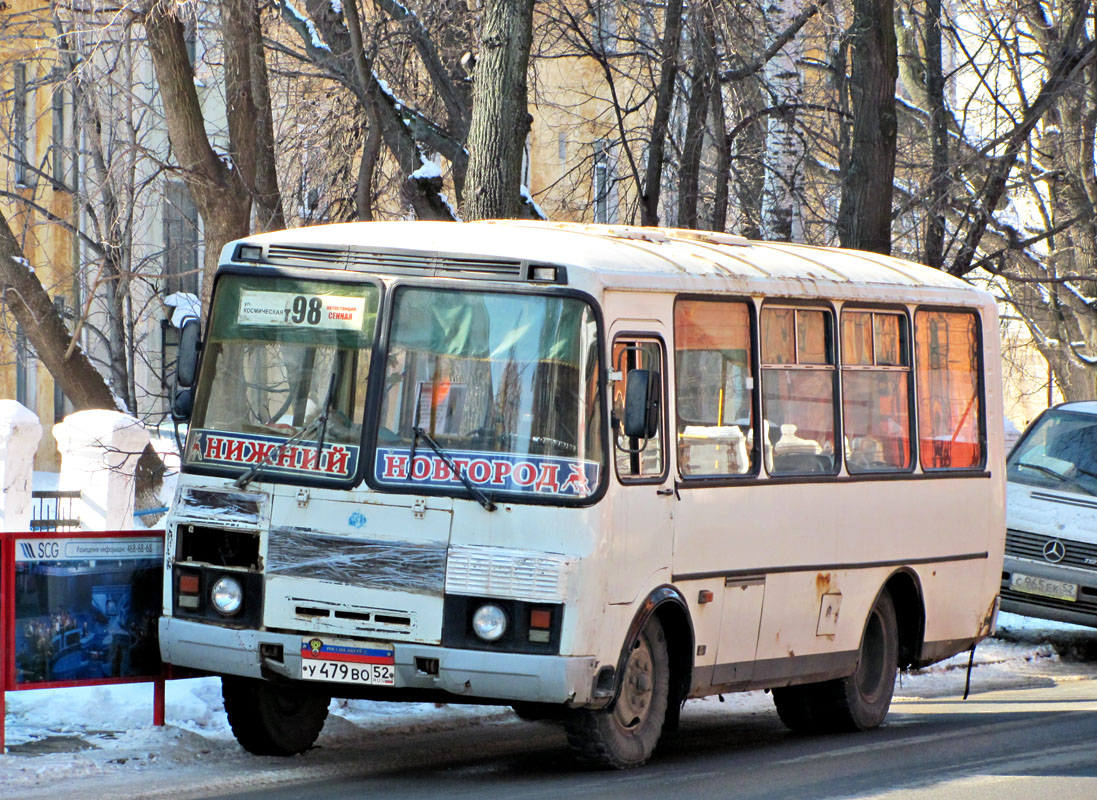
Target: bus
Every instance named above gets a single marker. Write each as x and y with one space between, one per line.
586 471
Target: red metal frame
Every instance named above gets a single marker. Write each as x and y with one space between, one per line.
7 623
8 601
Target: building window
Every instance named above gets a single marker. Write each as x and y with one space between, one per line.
605 183
23 126
181 269
57 145
604 28
26 372
62 406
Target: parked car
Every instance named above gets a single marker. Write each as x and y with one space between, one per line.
1050 568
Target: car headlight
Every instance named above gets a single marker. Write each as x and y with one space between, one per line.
227 595
489 622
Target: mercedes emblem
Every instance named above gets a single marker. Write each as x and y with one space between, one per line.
1054 551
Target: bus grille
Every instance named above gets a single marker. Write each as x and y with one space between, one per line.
401 263
499 572
1021 544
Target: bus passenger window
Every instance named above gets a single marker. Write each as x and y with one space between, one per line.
797 390
714 383
876 391
950 411
636 458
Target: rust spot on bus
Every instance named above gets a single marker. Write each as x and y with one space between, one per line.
822 583
986 625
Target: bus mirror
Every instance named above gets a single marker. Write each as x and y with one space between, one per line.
182 403
642 404
186 363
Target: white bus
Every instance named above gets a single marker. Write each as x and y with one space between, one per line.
587 471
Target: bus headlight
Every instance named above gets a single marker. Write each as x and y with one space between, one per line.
227 595
489 622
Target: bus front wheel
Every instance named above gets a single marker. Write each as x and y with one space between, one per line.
856 703
272 720
625 734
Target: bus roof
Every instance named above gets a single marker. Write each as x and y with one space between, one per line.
613 255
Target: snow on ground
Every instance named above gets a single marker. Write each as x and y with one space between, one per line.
58 735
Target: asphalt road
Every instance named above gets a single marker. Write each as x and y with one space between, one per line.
998 745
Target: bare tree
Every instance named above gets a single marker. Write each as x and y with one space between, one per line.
33 308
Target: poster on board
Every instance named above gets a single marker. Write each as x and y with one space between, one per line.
86 609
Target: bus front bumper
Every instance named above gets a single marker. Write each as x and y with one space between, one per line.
480 674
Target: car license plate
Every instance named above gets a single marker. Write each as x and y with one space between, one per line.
314 669
1030 584
343 661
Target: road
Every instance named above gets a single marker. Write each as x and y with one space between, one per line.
998 745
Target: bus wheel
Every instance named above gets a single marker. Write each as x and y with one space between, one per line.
856 703
625 734
865 695
272 720
794 707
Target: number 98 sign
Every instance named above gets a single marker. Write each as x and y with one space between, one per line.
285 309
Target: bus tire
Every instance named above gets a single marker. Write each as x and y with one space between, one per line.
273 720
863 699
855 703
625 734
795 707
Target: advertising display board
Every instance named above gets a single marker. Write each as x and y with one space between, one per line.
80 609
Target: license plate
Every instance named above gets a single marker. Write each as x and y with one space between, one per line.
1030 584
314 669
343 661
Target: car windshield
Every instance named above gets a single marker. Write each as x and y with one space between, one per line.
283 381
507 387
1060 452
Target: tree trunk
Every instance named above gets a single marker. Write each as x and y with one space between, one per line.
689 173
668 74
864 216
500 114
220 189
938 114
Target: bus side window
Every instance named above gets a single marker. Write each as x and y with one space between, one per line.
950 410
876 391
798 390
637 458
714 387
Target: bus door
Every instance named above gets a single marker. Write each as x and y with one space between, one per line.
643 496
719 556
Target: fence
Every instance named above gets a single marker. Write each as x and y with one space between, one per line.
51 510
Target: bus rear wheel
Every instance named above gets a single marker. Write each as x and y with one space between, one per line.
855 703
272 720
625 734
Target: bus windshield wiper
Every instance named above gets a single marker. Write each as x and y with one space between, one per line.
319 423
477 494
328 398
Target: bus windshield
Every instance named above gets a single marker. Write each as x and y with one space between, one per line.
283 384
505 385
1060 452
